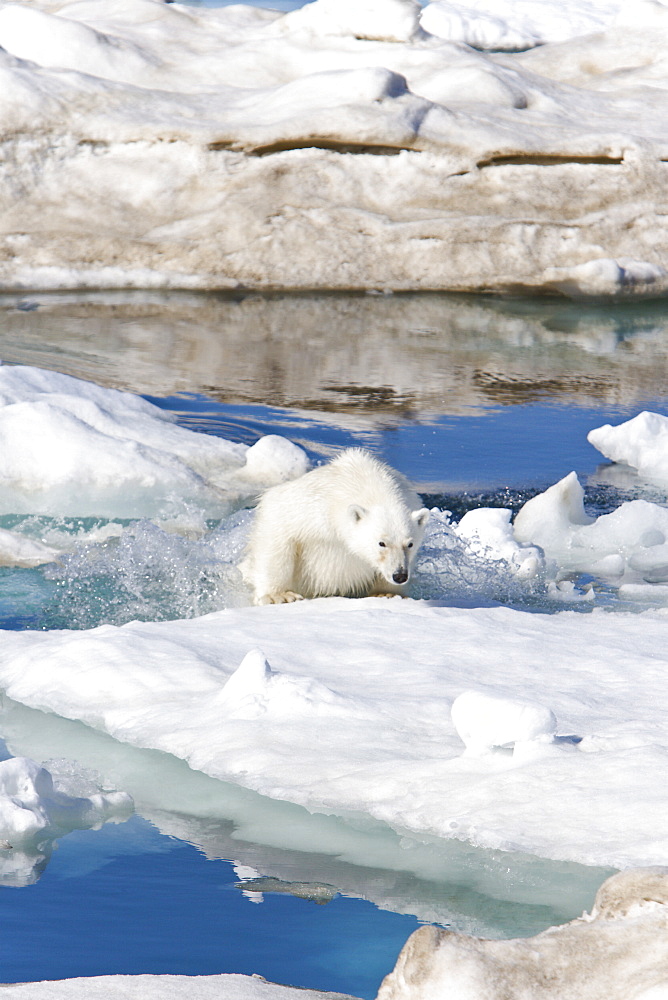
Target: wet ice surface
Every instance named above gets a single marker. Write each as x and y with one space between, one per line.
477 422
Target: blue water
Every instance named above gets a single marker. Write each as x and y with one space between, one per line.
128 900
531 445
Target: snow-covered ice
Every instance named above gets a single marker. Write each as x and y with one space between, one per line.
224 987
354 717
70 447
336 146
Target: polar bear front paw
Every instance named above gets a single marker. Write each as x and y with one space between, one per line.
281 597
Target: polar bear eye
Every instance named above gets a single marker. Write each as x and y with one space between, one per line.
382 544
410 545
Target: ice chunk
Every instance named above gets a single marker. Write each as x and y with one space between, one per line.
489 532
71 447
545 519
16 550
625 941
33 813
485 722
641 442
608 278
629 543
274 459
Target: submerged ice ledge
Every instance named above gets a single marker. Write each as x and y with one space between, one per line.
336 146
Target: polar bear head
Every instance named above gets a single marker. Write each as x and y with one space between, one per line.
386 539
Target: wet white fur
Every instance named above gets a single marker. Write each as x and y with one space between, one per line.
320 535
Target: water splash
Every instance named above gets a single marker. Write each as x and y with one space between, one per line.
450 569
149 574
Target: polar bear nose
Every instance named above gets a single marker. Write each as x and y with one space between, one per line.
400 576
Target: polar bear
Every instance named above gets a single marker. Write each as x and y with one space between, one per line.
349 528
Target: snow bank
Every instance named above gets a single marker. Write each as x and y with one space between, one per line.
486 722
624 940
225 987
350 714
341 145
70 447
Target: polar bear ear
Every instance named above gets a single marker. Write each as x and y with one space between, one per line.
356 513
420 517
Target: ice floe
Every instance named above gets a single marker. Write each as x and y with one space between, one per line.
70 447
148 987
336 146
353 715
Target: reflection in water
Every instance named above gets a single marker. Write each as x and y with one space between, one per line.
391 357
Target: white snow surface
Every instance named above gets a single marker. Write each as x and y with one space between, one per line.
224 987
340 145
70 447
353 713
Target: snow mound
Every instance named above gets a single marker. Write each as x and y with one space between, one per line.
254 690
513 25
373 20
486 722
